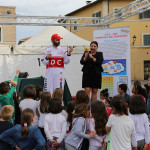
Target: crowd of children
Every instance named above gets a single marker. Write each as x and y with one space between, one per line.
39 121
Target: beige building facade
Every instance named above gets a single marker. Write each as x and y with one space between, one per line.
7 32
139 28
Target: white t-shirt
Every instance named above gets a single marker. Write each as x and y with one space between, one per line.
141 127
32 104
41 118
121 129
65 114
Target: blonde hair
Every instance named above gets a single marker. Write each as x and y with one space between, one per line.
6 112
81 110
58 93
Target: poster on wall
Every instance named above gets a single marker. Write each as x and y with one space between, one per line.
115 45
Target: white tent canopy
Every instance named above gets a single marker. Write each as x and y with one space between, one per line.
5 49
42 40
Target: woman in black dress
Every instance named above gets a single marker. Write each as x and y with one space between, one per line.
92 68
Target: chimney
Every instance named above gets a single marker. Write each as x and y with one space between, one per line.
88 2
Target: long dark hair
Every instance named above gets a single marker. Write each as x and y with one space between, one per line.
26 120
105 93
44 102
108 100
119 103
55 106
137 105
81 97
16 97
39 89
100 116
94 42
141 91
69 110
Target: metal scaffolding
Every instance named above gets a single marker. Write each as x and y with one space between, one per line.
136 7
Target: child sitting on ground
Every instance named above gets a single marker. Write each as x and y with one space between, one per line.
5 114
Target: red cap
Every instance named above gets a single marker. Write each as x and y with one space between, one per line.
55 36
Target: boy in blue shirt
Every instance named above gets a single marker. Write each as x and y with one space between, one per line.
122 91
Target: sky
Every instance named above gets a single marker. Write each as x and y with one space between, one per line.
41 8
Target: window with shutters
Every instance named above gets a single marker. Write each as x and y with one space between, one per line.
75 27
145 14
146 39
97 14
146 69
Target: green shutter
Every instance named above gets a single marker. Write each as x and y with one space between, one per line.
145 14
140 15
146 40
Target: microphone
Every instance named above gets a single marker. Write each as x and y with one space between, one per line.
39 61
86 48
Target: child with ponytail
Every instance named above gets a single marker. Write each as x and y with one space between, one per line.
24 136
121 126
103 95
107 105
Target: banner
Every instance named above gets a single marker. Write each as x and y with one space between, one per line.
115 45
